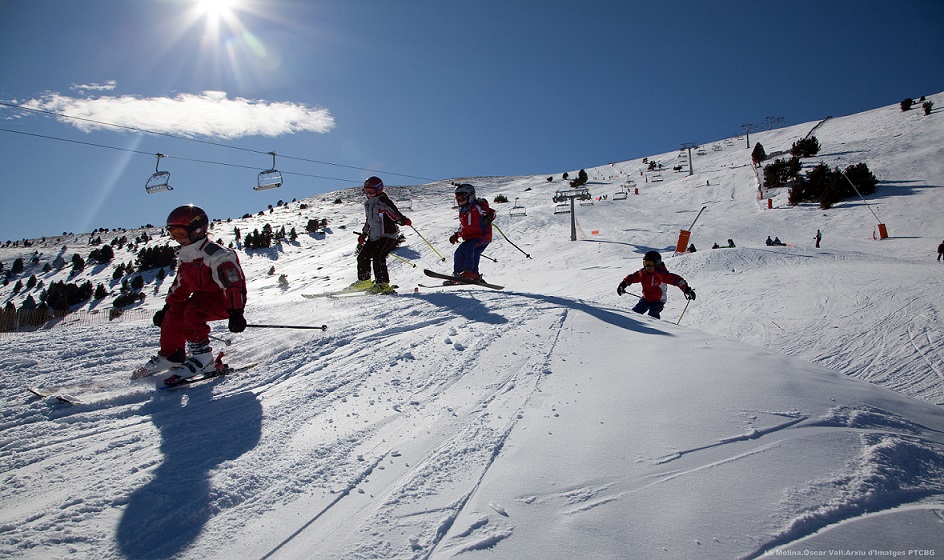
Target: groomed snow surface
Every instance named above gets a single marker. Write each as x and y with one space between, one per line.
796 410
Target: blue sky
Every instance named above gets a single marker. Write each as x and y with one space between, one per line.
412 91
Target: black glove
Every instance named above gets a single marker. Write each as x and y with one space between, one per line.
454 238
237 323
621 289
406 222
487 219
159 316
689 293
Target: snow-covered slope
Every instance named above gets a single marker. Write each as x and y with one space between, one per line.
541 421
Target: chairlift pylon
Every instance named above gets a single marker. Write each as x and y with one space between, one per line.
270 178
160 181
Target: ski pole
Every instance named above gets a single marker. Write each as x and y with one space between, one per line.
442 258
509 240
225 341
683 312
321 328
489 258
402 259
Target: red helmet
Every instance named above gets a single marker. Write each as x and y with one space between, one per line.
374 183
191 217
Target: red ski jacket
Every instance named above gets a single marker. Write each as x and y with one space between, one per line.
655 284
207 268
471 221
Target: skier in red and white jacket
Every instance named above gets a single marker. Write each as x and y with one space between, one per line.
655 279
209 286
475 228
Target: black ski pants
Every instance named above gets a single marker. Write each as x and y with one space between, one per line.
374 255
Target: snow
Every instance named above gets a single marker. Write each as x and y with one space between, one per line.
795 409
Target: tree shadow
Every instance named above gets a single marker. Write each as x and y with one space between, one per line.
198 433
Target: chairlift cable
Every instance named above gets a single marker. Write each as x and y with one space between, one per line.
207 142
181 158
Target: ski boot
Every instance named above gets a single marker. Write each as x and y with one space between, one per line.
360 286
201 361
383 288
159 363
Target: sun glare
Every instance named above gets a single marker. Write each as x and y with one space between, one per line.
216 9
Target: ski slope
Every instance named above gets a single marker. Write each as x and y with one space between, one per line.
795 409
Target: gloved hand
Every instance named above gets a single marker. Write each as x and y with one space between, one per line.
159 316
361 239
454 238
488 218
689 293
621 289
406 221
237 323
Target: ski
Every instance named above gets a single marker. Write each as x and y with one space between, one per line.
348 293
183 381
221 370
54 392
225 370
460 280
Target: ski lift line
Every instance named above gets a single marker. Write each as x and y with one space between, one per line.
93 144
207 142
181 158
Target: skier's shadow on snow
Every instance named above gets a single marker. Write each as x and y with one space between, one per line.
198 433
616 319
470 308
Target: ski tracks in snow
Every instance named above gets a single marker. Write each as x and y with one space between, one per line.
390 431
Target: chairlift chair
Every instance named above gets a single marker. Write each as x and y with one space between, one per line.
621 194
517 210
270 178
403 202
160 181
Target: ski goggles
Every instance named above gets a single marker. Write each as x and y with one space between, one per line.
178 233
648 264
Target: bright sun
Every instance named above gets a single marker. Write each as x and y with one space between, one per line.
216 9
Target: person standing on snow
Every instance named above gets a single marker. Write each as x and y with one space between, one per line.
475 228
818 238
940 250
209 286
655 279
378 238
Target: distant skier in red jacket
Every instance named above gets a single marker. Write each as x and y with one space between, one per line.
655 279
209 286
475 228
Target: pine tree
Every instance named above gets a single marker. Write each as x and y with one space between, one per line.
758 155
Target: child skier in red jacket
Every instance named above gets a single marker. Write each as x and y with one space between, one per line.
475 228
209 286
655 279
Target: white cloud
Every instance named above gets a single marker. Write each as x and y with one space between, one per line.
210 114
107 86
